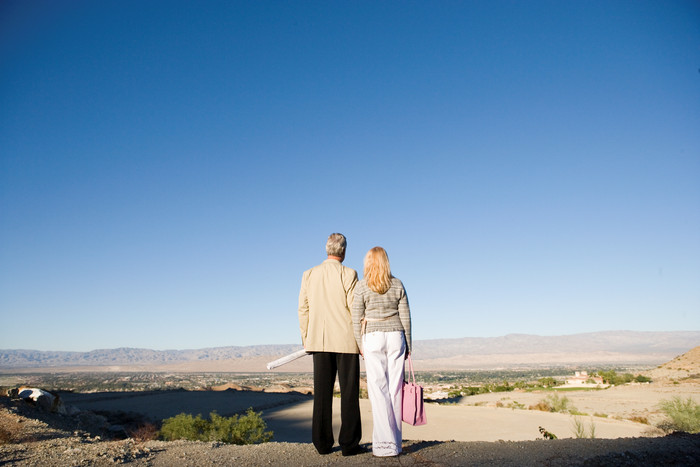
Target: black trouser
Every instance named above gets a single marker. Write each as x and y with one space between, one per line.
347 366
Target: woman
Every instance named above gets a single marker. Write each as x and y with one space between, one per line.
382 325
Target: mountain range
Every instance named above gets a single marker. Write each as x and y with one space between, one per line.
512 350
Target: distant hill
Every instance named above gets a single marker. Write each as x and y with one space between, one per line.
607 341
131 356
513 350
532 351
683 367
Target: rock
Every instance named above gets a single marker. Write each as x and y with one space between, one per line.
41 398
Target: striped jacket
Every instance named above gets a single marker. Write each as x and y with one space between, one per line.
385 312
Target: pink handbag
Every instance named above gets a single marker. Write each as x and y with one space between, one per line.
412 410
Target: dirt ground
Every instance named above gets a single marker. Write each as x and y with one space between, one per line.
478 430
616 412
627 402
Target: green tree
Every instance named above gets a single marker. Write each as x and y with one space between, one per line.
548 382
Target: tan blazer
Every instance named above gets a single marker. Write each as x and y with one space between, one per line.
325 300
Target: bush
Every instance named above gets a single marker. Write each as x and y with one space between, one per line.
143 432
579 428
542 406
184 426
554 403
639 419
557 404
243 429
683 415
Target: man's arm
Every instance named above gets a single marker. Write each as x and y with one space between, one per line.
304 308
349 282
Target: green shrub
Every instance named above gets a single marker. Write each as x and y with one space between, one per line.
578 427
557 404
554 403
243 429
683 415
185 426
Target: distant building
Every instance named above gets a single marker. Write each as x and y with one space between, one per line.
581 378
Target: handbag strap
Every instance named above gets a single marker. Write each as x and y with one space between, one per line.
410 368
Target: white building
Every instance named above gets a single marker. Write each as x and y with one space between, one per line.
581 378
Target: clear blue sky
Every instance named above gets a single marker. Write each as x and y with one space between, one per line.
170 168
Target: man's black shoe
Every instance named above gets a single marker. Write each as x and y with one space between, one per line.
354 451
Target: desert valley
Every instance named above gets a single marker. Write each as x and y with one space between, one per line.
489 401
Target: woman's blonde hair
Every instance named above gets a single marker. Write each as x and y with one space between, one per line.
377 270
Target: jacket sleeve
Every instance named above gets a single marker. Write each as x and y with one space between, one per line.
349 282
358 313
405 316
304 308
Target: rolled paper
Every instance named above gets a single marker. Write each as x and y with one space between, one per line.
287 358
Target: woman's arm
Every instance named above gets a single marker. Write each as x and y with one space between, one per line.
405 316
358 313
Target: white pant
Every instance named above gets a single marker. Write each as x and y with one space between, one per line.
384 358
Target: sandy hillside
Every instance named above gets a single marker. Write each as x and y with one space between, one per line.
682 367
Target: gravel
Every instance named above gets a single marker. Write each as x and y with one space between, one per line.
678 449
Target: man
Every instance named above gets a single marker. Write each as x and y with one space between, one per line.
325 322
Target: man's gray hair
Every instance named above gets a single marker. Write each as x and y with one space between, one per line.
335 246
